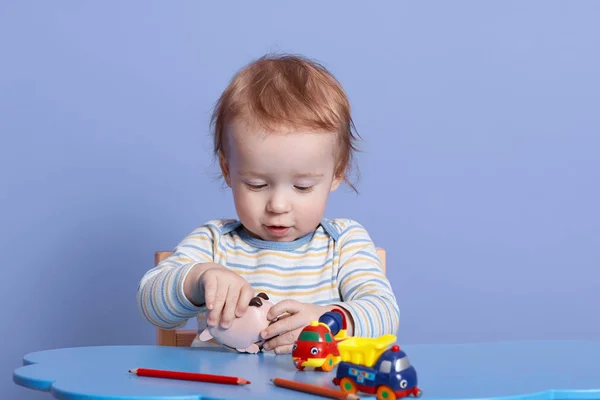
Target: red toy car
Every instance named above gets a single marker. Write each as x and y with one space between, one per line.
317 344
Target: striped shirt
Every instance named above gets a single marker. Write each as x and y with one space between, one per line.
337 264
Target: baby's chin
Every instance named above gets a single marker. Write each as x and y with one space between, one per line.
280 239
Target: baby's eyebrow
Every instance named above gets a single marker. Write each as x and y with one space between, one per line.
309 175
300 175
250 173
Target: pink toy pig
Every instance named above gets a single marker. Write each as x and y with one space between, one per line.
244 333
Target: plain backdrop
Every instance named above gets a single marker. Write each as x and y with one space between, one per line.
480 165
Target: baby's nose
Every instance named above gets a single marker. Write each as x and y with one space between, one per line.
278 203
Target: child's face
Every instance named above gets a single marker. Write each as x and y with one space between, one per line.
280 181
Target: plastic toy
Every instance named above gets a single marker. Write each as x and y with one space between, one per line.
369 365
317 344
244 333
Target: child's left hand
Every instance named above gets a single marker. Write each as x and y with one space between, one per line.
285 331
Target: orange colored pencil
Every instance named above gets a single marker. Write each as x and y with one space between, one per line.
314 389
189 376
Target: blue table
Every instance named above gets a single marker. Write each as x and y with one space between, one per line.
542 370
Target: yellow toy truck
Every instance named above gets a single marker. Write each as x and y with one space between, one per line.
370 365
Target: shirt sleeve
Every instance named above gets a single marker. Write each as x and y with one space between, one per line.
365 291
160 296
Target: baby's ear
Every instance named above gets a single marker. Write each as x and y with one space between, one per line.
225 168
338 177
336 182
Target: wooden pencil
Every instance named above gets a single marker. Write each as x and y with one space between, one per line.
314 389
189 376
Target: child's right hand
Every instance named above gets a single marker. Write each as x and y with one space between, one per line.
226 294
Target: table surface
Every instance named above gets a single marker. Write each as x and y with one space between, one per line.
531 370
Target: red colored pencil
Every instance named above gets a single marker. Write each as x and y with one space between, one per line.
189 376
314 389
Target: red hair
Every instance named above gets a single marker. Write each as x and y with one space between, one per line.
288 91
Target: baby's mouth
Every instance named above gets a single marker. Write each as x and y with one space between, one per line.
277 230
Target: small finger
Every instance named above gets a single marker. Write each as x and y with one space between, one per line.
283 325
246 295
285 349
285 339
210 286
285 306
214 316
231 301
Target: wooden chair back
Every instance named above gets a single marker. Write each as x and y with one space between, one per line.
185 337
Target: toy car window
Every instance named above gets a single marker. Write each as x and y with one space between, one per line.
309 337
402 363
386 367
328 337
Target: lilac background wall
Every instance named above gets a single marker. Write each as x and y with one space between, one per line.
480 166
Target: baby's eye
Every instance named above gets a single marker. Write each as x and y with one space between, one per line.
256 186
304 189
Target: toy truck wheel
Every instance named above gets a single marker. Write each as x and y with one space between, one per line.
348 385
385 393
328 363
